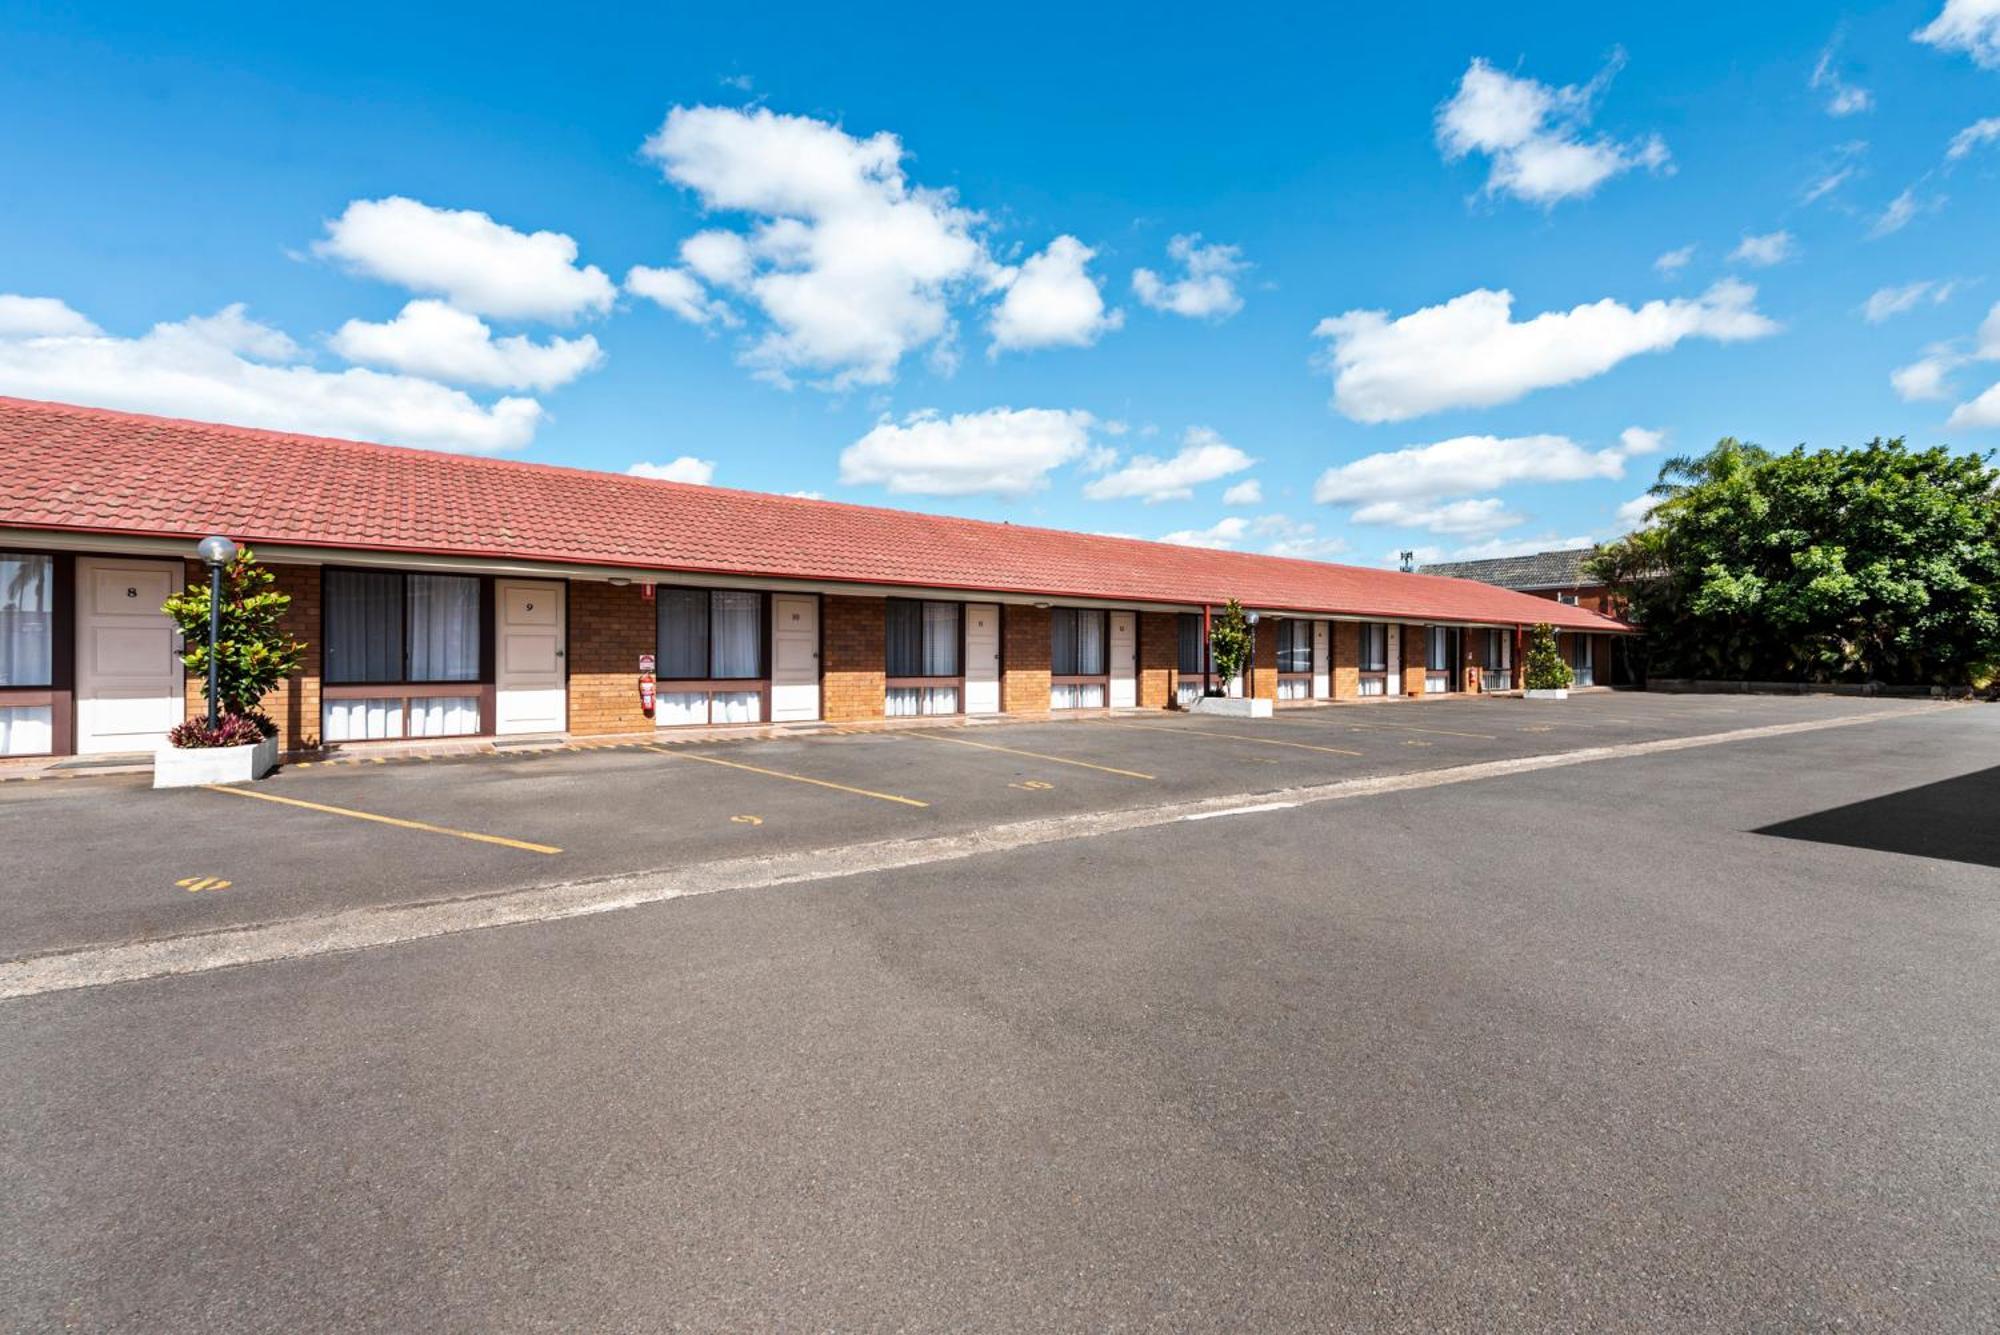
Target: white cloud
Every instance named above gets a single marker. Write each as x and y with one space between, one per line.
1926 378
1281 535
1467 517
1673 261
1765 250
41 317
806 495
1981 412
1204 456
1637 512
1510 546
429 338
1890 301
1901 211
852 266
998 452
1052 301
1842 98
687 468
227 367
1972 136
1223 534
1534 135
1206 288
1971 26
1634 441
1247 492
680 292
1837 168
1471 353
1467 464
477 264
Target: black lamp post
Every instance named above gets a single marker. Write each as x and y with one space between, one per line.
218 552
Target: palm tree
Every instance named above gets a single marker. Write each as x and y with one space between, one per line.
1729 458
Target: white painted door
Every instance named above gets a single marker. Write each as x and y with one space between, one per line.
982 658
1322 660
129 679
530 692
1124 660
794 657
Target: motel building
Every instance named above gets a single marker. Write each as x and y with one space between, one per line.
447 596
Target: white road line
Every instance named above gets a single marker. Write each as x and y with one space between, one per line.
387 925
1242 811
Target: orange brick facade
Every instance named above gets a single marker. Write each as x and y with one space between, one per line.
609 628
1159 658
1024 660
852 662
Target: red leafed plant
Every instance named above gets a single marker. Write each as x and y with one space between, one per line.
229 730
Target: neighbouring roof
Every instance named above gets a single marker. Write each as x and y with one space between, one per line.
1537 570
90 470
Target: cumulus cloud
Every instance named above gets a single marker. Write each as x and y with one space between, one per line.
430 338
1637 512
41 317
228 367
1673 261
1247 492
1222 535
1765 250
1537 137
477 264
680 292
1204 456
1470 518
687 468
1971 26
1886 302
1928 377
1470 352
1467 464
1842 98
1206 287
999 452
1052 301
851 265
1972 136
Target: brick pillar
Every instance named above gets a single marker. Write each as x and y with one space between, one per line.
294 703
1024 686
1346 660
1264 661
855 634
1159 658
1470 643
1415 655
1520 656
609 628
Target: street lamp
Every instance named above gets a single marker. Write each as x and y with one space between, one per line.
218 552
1250 668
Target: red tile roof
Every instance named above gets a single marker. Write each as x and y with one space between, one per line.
93 470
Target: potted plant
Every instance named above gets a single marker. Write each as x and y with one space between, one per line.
1231 641
1546 676
230 635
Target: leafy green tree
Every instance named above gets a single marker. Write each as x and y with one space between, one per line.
1878 563
253 654
1229 644
1545 669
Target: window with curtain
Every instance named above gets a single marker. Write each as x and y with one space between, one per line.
384 627
709 634
1374 647
923 638
1077 639
1437 648
1295 646
27 619
1191 658
1496 651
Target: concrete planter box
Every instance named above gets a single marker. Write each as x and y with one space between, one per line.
191 767
1546 695
1231 707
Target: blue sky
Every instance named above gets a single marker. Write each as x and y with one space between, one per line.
894 257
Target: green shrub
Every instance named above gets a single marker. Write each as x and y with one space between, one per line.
1229 642
1546 670
252 654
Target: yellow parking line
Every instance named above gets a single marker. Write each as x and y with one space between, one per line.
1231 736
795 778
387 820
1032 755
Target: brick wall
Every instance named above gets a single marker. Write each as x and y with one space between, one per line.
1159 658
1346 660
1024 687
294 704
855 637
1415 654
1264 661
608 629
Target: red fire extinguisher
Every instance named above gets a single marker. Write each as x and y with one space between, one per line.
647 689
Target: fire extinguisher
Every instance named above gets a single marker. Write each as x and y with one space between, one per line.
1472 681
647 688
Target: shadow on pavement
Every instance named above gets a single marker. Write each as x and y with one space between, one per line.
1954 820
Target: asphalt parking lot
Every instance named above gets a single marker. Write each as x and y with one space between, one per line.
100 860
1693 1039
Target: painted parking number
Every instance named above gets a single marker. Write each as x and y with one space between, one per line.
1033 785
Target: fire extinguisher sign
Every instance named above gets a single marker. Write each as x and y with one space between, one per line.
646 664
